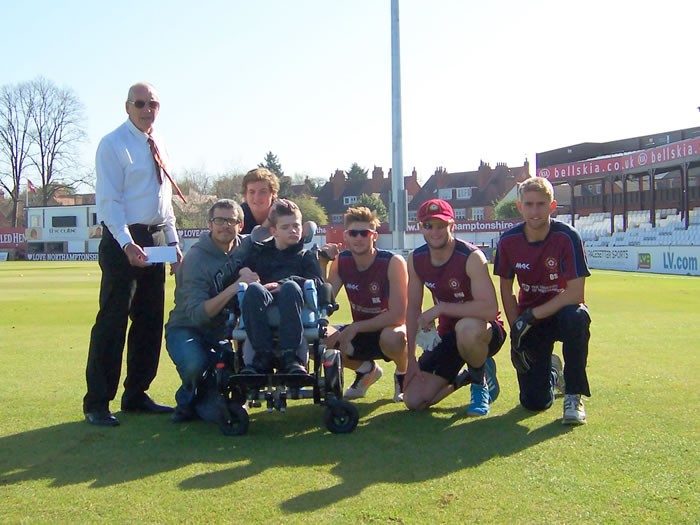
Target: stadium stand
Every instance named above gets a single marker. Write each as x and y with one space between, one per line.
670 228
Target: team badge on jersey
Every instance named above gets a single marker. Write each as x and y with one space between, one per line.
374 287
454 284
551 264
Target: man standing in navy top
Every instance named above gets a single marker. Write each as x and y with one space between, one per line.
548 258
134 203
469 327
260 187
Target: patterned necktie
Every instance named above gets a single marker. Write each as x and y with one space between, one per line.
160 168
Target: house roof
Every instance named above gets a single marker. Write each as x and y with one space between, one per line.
332 194
488 185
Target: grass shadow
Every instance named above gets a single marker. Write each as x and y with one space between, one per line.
415 447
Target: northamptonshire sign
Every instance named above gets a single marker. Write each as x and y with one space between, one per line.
639 160
474 226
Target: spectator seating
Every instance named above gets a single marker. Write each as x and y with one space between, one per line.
670 228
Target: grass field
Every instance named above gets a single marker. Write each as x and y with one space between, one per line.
637 460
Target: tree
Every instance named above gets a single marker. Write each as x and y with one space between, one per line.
285 188
194 213
15 140
196 185
312 186
56 130
356 172
311 210
506 209
375 204
197 181
228 187
273 164
40 126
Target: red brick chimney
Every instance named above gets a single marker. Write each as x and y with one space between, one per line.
338 180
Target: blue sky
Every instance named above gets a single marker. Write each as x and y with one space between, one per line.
310 80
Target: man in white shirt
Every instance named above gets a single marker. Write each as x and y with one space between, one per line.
134 203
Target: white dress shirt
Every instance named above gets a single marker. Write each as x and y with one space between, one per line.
128 191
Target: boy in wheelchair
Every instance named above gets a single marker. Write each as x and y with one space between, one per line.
282 266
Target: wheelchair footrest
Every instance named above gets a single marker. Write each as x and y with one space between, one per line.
250 380
262 380
292 380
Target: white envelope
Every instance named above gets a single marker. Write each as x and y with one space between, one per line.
161 254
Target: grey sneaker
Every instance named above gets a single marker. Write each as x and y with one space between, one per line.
363 382
574 411
557 365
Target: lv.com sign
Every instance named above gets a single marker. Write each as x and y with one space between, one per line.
676 260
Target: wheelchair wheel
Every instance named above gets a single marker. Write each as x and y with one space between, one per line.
333 373
341 417
236 422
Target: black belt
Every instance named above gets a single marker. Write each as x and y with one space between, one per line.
150 228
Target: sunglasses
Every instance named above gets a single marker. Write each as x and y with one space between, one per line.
140 104
436 225
220 221
361 233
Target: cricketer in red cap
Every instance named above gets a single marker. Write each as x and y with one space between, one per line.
436 209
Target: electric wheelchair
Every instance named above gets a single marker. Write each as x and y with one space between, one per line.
323 381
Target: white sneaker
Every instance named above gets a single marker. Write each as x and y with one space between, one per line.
398 393
574 412
363 382
557 365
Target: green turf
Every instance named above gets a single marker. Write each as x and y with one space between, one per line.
637 461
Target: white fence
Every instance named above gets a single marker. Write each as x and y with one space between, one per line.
677 260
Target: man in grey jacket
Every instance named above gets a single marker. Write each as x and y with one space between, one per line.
197 323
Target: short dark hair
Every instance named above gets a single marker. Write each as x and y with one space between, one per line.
282 208
227 204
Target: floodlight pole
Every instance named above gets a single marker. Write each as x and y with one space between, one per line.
398 212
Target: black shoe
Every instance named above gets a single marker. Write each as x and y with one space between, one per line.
262 365
294 369
146 405
290 363
103 419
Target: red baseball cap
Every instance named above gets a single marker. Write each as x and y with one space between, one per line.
436 209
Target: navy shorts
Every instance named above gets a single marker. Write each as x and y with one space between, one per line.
366 346
444 360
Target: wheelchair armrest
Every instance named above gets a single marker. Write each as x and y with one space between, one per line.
326 301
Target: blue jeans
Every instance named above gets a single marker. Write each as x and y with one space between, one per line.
193 356
290 300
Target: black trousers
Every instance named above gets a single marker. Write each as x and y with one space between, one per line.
126 292
571 326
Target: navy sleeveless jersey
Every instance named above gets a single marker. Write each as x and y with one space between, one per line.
449 283
367 290
544 267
